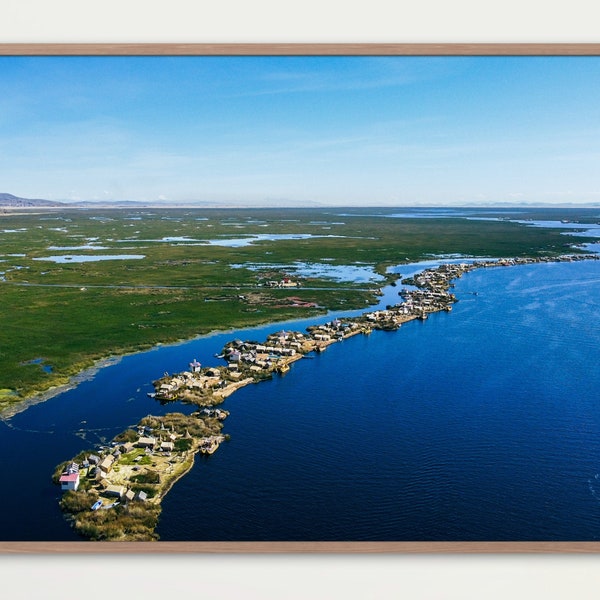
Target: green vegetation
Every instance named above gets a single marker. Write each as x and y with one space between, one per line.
60 318
148 477
136 453
127 516
182 445
129 435
134 522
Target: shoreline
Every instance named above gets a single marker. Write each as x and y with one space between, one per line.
15 408
86 375
21 406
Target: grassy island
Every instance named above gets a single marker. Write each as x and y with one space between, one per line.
116 493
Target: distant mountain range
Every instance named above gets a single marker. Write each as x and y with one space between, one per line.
15 201
11 201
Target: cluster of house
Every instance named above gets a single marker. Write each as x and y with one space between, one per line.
196 379
438 279
283 347
217 413
99 467
508 262
433 284
431 296
260 357
284 282
246 358
334 331
251 359
209 444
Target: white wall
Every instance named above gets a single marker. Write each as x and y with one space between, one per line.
300 577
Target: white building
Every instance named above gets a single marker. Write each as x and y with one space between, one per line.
69 481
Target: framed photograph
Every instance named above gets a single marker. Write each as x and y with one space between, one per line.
299 298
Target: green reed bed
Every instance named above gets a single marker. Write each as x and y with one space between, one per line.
59 318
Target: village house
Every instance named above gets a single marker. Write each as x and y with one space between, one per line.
234 356
69 481
115 490
106 465
167 388
195 366
214 380
146 442
322 337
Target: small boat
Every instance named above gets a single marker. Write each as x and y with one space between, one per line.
97 505
209 447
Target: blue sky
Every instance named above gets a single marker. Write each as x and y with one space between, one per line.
302 130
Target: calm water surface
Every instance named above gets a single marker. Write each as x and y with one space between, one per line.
480 424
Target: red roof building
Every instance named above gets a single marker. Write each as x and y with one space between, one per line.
69 481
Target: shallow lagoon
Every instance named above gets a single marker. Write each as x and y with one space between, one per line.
338 273
81 258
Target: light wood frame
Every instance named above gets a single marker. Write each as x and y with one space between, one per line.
285 49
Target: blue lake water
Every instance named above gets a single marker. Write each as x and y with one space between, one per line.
480 424
340 273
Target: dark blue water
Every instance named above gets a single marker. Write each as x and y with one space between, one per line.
481 424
